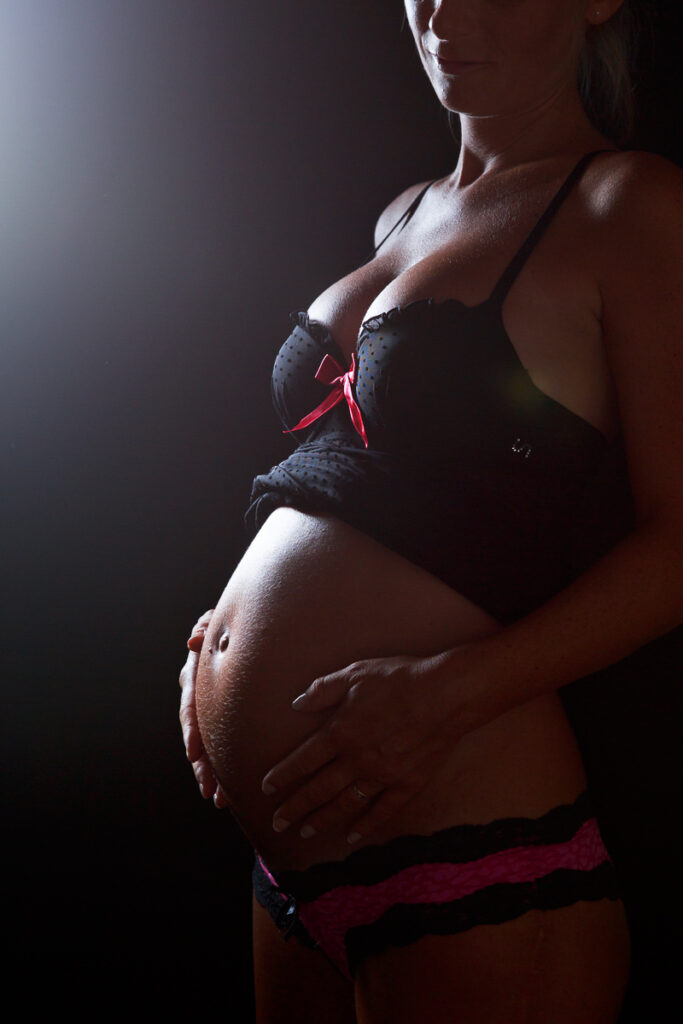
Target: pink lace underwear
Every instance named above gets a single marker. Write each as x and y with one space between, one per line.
441 891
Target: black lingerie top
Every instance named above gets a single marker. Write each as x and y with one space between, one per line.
437 443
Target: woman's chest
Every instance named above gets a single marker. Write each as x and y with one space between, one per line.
551 315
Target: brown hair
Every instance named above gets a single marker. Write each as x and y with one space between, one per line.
605 72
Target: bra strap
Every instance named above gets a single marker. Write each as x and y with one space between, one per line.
407 214
509 275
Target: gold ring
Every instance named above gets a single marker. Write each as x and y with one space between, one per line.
358 792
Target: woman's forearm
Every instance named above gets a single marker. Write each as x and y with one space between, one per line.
632 595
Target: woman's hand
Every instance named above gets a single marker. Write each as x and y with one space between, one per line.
204 774
392 726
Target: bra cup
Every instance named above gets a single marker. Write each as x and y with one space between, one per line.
386 398
294 389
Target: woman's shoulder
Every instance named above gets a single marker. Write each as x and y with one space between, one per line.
396 209
640 165
633 206
631 187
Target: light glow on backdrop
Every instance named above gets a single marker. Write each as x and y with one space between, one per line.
162 166
124 143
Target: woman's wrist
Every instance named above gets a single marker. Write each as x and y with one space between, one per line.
471 687
624 600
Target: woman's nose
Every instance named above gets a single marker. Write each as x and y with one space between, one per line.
453 19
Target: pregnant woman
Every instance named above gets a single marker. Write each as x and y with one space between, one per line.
484 504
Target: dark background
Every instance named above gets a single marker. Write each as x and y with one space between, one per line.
176 176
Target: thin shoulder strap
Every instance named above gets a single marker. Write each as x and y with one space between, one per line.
509 275
406 215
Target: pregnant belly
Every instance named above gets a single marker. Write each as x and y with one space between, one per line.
310 596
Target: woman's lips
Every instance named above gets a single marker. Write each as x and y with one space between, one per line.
457 67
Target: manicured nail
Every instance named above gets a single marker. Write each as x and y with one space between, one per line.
279 824
353 838
307 831
299 701
268 788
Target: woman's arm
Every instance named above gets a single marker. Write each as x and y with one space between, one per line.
395 718
635 592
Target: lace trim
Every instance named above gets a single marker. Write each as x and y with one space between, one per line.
317 330
414 309
403 924
374 323
458 844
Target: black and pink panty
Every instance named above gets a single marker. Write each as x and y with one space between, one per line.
440 884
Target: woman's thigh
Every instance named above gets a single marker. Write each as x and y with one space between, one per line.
293 984
565 966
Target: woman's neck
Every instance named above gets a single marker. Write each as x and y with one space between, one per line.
557 125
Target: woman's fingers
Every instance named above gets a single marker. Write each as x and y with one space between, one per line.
188 721
396 795
339 791
203 773
311 755
201 766
324 692
198 631
344 809
203 620
319 791
344 797
380 811
220 800
188 713
188 671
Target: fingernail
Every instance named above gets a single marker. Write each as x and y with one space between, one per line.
307 831
279 824
268 788
300 700
353 838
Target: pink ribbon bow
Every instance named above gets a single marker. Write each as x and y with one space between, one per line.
330 372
